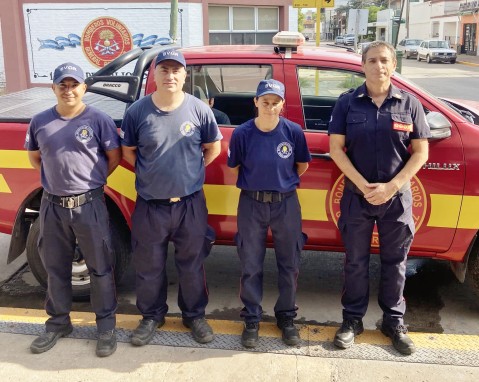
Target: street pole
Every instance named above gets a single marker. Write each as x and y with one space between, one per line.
173 19
318 22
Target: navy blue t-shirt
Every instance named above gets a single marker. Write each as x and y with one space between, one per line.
169 156
377 140
72 150
267 160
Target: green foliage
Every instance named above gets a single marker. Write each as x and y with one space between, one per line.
300 20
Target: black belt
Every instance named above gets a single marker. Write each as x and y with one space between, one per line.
170 201
268 196
74 201
352 187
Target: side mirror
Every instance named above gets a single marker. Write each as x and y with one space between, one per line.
439 125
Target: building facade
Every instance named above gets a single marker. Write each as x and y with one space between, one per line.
39 35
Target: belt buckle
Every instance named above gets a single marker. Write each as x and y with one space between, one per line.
68 202
267 197
175 200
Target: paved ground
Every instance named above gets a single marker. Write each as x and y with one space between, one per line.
73 358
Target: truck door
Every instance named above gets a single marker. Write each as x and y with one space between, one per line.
312 91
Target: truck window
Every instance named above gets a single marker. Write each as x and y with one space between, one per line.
232 87
320 88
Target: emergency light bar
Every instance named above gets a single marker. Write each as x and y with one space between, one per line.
288 39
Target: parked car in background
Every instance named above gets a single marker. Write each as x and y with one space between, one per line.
436 50
339 39
348 39
409 47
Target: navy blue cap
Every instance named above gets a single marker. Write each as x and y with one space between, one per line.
170 54
68 70
270 87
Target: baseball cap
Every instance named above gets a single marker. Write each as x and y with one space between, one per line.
68 70
270 87
170 54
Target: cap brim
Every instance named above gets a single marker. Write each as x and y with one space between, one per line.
171 59
62 77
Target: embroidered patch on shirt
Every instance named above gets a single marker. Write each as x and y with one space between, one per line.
399 126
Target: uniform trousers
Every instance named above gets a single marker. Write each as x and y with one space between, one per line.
154 225
284 220
395 227
61 229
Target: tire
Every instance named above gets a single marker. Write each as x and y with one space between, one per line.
120 238
428 59
453 61
418 58
472 275
407 56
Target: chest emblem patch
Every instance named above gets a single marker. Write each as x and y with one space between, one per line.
84 134
284 150
187 129
399 126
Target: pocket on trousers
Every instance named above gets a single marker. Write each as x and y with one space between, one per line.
210 237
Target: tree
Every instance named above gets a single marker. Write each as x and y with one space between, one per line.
300 20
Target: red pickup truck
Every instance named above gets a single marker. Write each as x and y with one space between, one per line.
445 191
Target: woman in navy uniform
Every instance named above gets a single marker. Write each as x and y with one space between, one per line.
269 153
371 131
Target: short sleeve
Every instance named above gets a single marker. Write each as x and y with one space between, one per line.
234 149
421 128
31 143
128 130
210 131
110 139
301 150
337 123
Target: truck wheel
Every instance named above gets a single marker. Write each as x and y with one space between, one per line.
472 275
120 238
453 61
428 59
418 58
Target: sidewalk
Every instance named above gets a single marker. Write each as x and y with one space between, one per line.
74 360
467 60
172 355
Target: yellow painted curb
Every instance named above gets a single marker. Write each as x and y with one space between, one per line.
311 333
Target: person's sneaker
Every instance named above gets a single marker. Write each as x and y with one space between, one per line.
401 341
200 329
249 337
290 332
145 331
344 337
106 344
48 340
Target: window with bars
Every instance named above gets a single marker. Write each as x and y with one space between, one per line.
237 25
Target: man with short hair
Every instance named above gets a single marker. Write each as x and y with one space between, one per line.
169 137
76 147
371 131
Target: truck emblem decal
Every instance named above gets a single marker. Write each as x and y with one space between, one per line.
104 39
284 150
419 204
442 166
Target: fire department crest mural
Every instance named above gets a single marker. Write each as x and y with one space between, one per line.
104 39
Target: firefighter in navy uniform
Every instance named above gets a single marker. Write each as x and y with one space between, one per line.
269 153
371 131
76 147
169 137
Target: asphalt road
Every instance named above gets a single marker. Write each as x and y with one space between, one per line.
444 80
